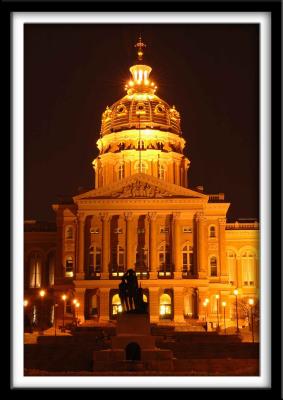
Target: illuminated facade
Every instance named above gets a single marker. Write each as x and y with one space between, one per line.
141 214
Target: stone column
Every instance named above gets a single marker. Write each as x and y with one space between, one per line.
80 311
178 304
129 240
223 273
201 246
104 305
152 245
177 172
81 247
154 304
176 246
105 245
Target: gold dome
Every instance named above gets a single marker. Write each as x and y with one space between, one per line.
140 110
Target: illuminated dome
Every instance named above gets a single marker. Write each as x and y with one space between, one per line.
140 108
140 133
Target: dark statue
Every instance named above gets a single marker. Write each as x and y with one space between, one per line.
131 294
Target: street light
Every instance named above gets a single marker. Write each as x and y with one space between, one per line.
224 306
25 303
236 292
251 303
217 298
64 306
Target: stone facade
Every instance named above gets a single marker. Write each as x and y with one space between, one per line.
142 215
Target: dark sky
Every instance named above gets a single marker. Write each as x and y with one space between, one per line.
209 72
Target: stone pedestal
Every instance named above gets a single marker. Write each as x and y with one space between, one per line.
133 346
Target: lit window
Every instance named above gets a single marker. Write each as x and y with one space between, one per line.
212 231
187 229
116 305
165 306
248 268
118 230
213 266
69 273
187 254
35 270
69 232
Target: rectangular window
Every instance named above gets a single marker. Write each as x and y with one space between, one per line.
187 229
164 229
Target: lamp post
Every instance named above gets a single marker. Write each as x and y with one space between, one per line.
217 298
55 318
75 302
236 292
41 294
224 306
251 303
77 307
64 307
205 303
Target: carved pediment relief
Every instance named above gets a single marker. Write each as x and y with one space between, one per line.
140 189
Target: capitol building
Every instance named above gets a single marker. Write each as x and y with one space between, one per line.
142 214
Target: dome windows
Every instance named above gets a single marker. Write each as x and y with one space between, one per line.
140 108
121 110
159 109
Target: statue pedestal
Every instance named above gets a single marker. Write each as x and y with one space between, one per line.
133 347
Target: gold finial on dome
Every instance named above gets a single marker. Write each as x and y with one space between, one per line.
140 45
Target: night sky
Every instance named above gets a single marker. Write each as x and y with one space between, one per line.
209 72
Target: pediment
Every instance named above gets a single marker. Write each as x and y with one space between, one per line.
141 186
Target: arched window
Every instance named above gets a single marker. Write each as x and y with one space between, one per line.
161 171
248 268
116 305
69 232
231 267
35 270
69 272
213 266
187 257
165 306
94 260
164 258
212 231
121 171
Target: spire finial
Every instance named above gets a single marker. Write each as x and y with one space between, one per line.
140 45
